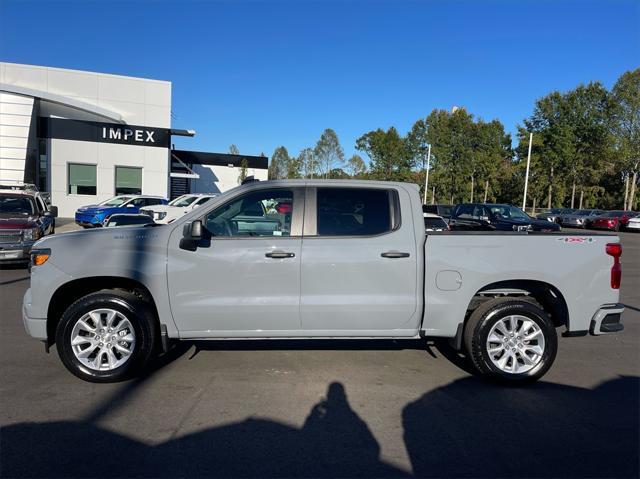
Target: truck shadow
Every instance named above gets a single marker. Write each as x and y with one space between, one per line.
469 428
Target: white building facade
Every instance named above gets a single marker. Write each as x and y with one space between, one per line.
86 137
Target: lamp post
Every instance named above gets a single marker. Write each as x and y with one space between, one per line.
526 175
426 179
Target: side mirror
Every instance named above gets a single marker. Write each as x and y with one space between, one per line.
52 211
130 205
191 234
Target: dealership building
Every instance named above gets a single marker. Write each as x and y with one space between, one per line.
85 137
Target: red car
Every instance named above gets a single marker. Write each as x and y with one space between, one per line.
612 220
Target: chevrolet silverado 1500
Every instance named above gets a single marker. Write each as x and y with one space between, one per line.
318 259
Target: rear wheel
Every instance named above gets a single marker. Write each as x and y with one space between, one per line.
106 336
511 340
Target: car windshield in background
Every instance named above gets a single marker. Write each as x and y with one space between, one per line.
618 214
182 202
508 212
583 212
16 204
117 201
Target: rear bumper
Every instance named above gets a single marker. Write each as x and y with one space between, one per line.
608 319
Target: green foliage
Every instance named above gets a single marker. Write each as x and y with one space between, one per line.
244 166
328 152
279 165
356 166
389 153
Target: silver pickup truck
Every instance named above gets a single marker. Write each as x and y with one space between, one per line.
318 259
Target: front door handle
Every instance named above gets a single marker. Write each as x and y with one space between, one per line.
395 254
280 254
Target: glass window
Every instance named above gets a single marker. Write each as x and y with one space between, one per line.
82 179
261 213
353 212
183 201
117 201
16 204
128 180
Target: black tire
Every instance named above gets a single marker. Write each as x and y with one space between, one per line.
486 316
142 320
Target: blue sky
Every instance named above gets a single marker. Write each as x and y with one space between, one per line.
262 74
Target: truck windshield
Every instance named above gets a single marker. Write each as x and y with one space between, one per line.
16 204
117 201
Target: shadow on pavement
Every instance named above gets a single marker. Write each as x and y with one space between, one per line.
470 428
333 441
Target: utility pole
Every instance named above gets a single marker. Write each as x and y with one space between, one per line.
526 176
426 180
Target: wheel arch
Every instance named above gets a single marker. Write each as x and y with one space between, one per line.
545 294
70 292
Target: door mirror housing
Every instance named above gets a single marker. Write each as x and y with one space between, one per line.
52 211
191 234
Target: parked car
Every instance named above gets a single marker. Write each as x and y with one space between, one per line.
555 214
434 223
165 214
579 218
611 220
94 215
24 219
633 224
344 259
122 219
489 217
443 211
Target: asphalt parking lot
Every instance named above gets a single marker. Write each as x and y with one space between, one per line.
323 408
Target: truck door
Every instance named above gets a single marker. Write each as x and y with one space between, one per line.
244 277
359 262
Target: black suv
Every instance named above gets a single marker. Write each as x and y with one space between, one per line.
490 217
25 217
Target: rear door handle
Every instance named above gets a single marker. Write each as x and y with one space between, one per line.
280 254
395 254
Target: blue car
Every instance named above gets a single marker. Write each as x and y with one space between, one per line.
95 215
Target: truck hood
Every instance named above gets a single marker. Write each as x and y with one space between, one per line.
16 221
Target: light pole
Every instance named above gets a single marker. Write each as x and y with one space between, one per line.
526 175
426 179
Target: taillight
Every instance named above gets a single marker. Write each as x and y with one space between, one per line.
615 250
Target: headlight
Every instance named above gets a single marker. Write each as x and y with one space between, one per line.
31 234
161 215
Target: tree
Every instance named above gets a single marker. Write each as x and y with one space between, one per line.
389 154
279 164
626 128
233 150
308 163
244 165
356 166
328 152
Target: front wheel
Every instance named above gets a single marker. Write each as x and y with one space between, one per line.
106 336
511 340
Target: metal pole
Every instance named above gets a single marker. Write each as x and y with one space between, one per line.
526 176
426 180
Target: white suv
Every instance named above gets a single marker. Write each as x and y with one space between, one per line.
164 214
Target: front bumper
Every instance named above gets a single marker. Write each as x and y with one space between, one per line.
608 319
15 252
88 220
35 327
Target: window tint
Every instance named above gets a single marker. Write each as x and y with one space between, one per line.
128 180
16 204
152 201
465 211
435 223
353 211
261 213
82 179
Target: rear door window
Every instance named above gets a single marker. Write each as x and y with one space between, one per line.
354 211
